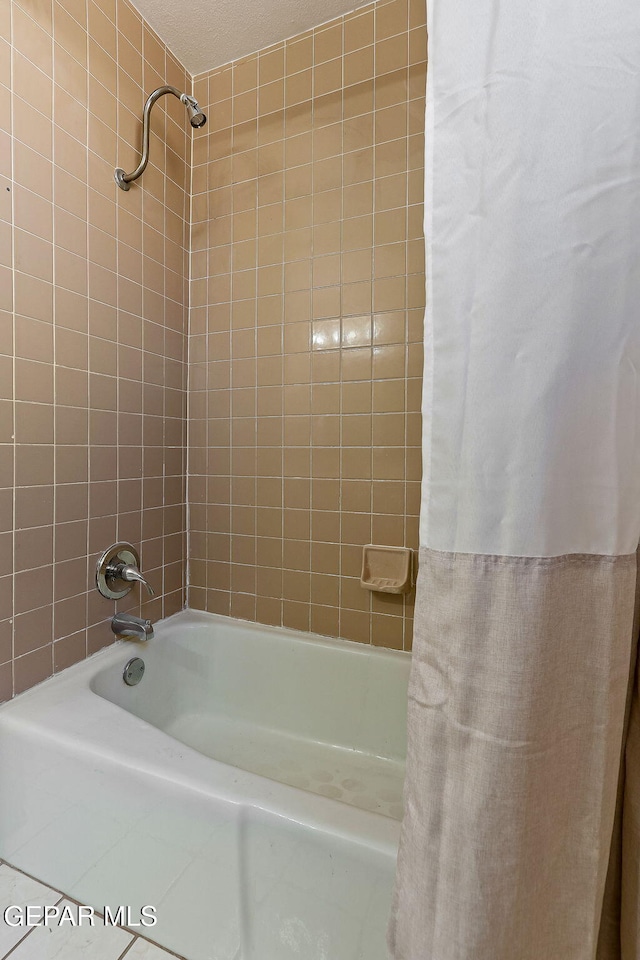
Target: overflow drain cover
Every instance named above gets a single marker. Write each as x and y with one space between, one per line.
133 672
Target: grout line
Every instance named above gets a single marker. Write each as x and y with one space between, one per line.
141 936
126 949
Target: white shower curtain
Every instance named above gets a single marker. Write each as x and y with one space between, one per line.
524 639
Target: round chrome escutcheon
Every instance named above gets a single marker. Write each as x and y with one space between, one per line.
133 672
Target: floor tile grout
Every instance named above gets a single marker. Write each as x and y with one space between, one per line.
20 941
126 949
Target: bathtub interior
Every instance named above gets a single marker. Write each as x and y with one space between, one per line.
326 716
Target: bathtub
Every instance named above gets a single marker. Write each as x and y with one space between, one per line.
248 788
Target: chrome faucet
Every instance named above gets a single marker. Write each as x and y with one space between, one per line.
128 626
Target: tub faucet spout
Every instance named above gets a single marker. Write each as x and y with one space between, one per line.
130 627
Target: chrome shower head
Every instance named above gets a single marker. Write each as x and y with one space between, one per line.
196 117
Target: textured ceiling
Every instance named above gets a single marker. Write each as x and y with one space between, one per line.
207 33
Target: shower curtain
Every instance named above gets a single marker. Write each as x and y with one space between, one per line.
513 844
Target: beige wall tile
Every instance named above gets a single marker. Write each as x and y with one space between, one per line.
328 42
32 668
73 321
333 239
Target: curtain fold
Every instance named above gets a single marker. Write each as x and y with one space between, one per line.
521 835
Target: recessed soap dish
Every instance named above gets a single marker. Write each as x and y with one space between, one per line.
386 569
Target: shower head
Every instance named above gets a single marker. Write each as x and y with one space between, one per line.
196 118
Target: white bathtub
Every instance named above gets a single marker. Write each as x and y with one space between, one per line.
248 788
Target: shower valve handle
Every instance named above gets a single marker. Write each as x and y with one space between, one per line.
130 573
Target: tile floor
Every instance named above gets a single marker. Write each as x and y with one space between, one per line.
63 941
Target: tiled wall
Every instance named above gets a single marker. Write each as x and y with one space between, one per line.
92 329
307 294
307 300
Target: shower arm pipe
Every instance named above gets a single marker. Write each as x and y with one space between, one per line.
124 179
